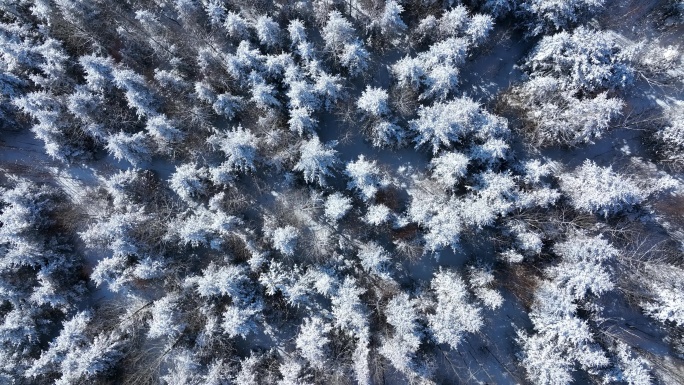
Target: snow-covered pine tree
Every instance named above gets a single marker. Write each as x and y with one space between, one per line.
316 161
453 316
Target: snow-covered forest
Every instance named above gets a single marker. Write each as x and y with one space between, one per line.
337 192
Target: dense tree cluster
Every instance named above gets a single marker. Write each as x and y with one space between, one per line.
327 192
